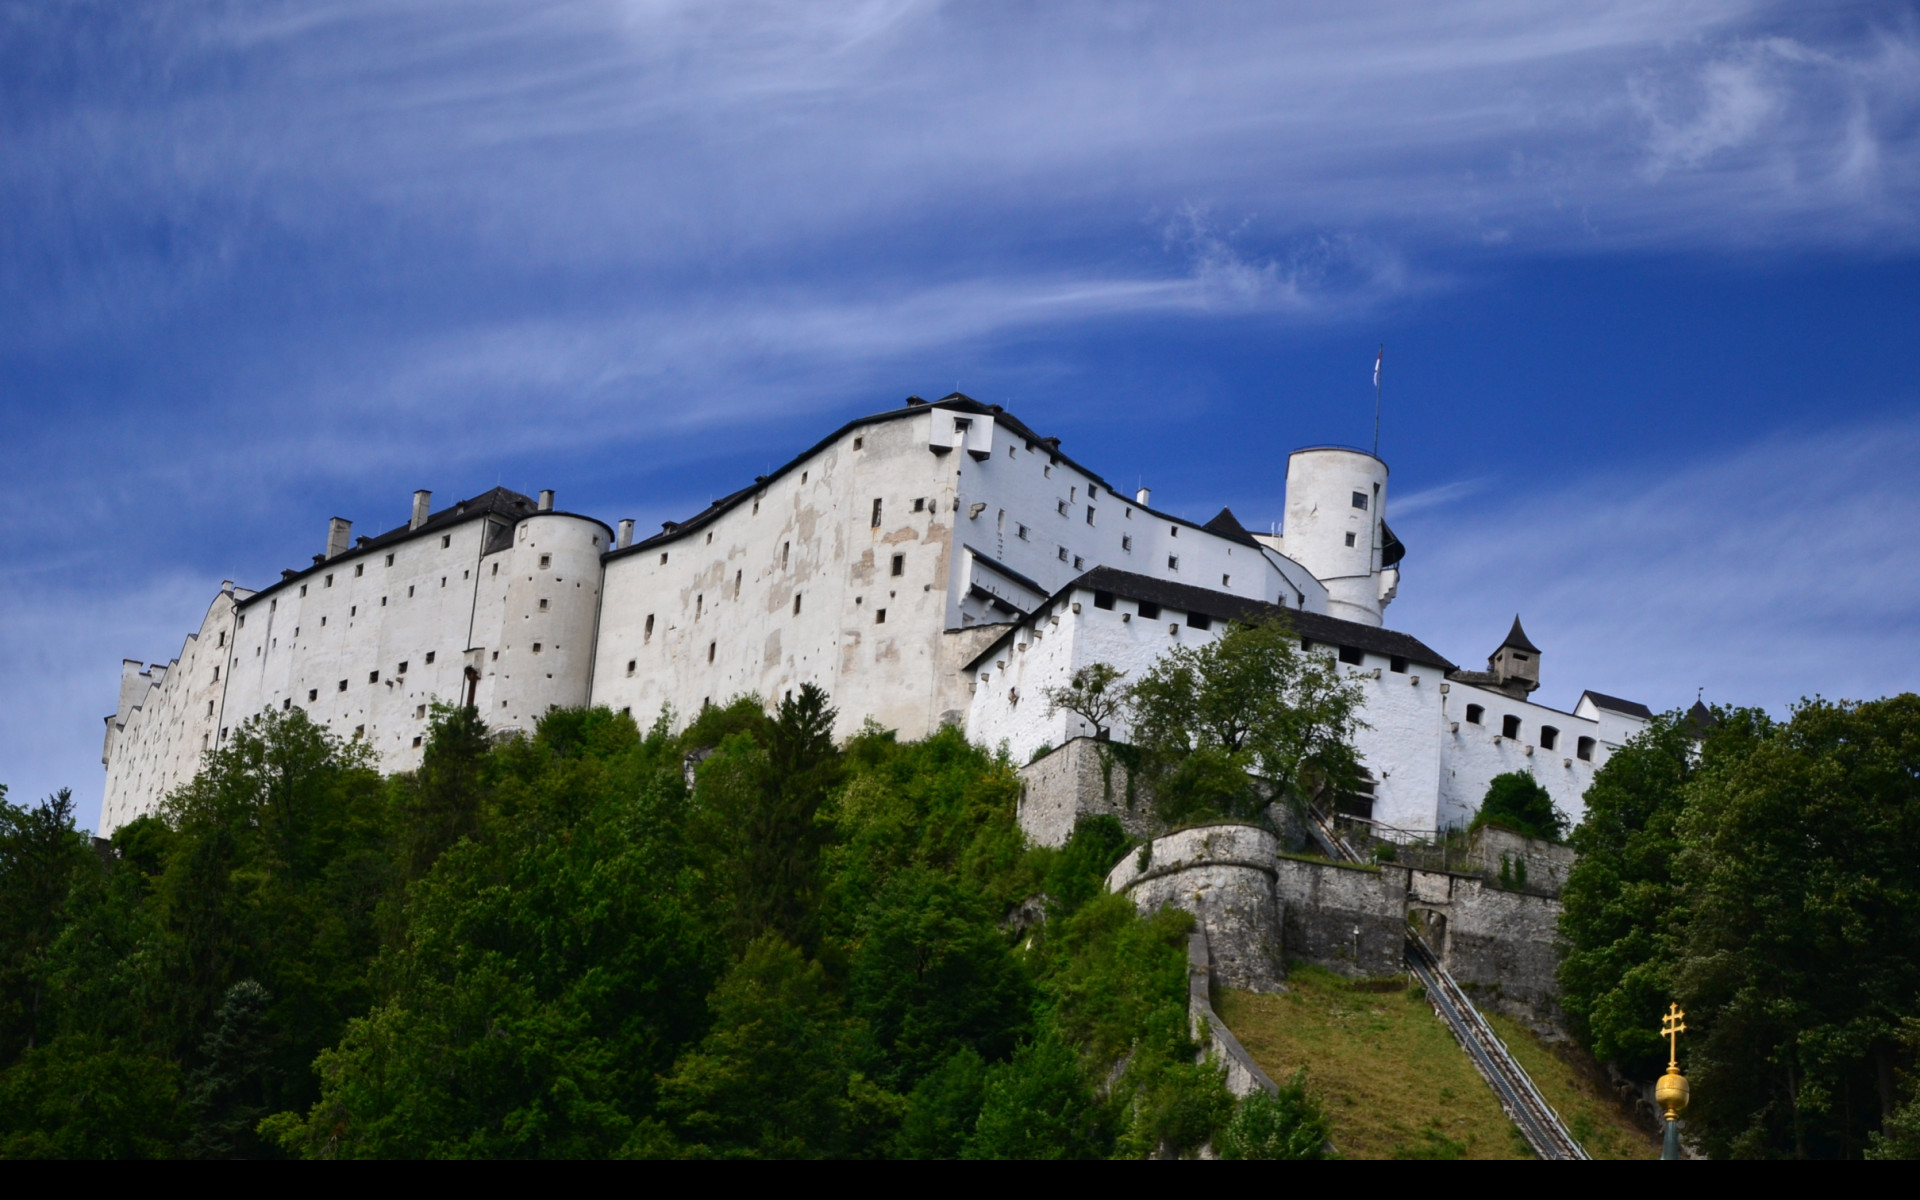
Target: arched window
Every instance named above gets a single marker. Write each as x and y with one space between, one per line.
1474 713
1583 749
1548 736
1510 726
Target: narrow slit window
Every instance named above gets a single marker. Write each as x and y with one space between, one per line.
796 604
876 512
711 648
899 566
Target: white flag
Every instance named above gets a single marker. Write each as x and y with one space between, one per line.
1376 365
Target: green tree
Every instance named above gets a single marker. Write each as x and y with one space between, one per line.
81 1097
40 854
943 1108
777 1075
1799 956
1289 1126
1240 722
1093 694
1039 1106
446 799
1516 801
228 1094
1621 899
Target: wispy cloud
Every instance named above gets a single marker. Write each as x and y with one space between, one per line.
1779 570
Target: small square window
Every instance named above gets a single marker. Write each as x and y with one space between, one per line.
663 559
1353 656
430 654
328 582
416 741
1397 665
1062 506
536 647
1349 539
1510 726
359 569
402 670
859 442
1474 713
446 540
1226 581
1079 563
1103 599
1020 531
879 616
543 604
389 560
312 695
546 560
1360 501
1199 621
1173 562
632 665
420 712
1149 610
1063 554
1126 542
373 677
343 685
920 505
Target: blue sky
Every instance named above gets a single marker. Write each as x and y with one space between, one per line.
1648 275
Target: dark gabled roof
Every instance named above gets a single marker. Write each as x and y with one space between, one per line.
498 502
1517 638
1616 704
1223 606
1228 526
672 531
1700 720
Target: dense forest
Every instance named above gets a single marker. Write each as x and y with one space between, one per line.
738 941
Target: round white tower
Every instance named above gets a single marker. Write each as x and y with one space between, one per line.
1336 499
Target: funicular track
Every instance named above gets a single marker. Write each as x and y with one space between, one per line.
1529 1111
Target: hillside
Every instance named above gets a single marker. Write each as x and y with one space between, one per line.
1397 1085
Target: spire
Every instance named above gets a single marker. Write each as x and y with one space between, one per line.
1517 638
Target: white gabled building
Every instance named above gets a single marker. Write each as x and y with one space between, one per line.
883 564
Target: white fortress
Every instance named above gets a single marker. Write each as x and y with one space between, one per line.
930 565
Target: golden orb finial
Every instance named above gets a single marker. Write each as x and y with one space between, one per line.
1671 1092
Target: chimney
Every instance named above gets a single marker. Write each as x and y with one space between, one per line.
546 500
626 534
339 536
422 506
1143 497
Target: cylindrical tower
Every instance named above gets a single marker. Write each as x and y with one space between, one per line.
1335 501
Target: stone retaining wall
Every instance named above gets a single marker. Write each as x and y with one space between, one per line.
1081 778
1223 875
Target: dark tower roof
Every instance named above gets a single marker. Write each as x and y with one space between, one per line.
1517 638
1228 526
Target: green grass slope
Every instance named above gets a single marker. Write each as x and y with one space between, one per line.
1397 1085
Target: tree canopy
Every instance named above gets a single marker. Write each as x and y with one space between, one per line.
738 941
1764 876
1246 720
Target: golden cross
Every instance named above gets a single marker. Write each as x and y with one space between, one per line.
1671 1028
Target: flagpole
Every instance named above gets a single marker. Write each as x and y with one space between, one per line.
1377 363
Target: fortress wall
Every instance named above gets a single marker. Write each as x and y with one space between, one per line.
1073 781
1477 753
1223 874
1326 903
1504 948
